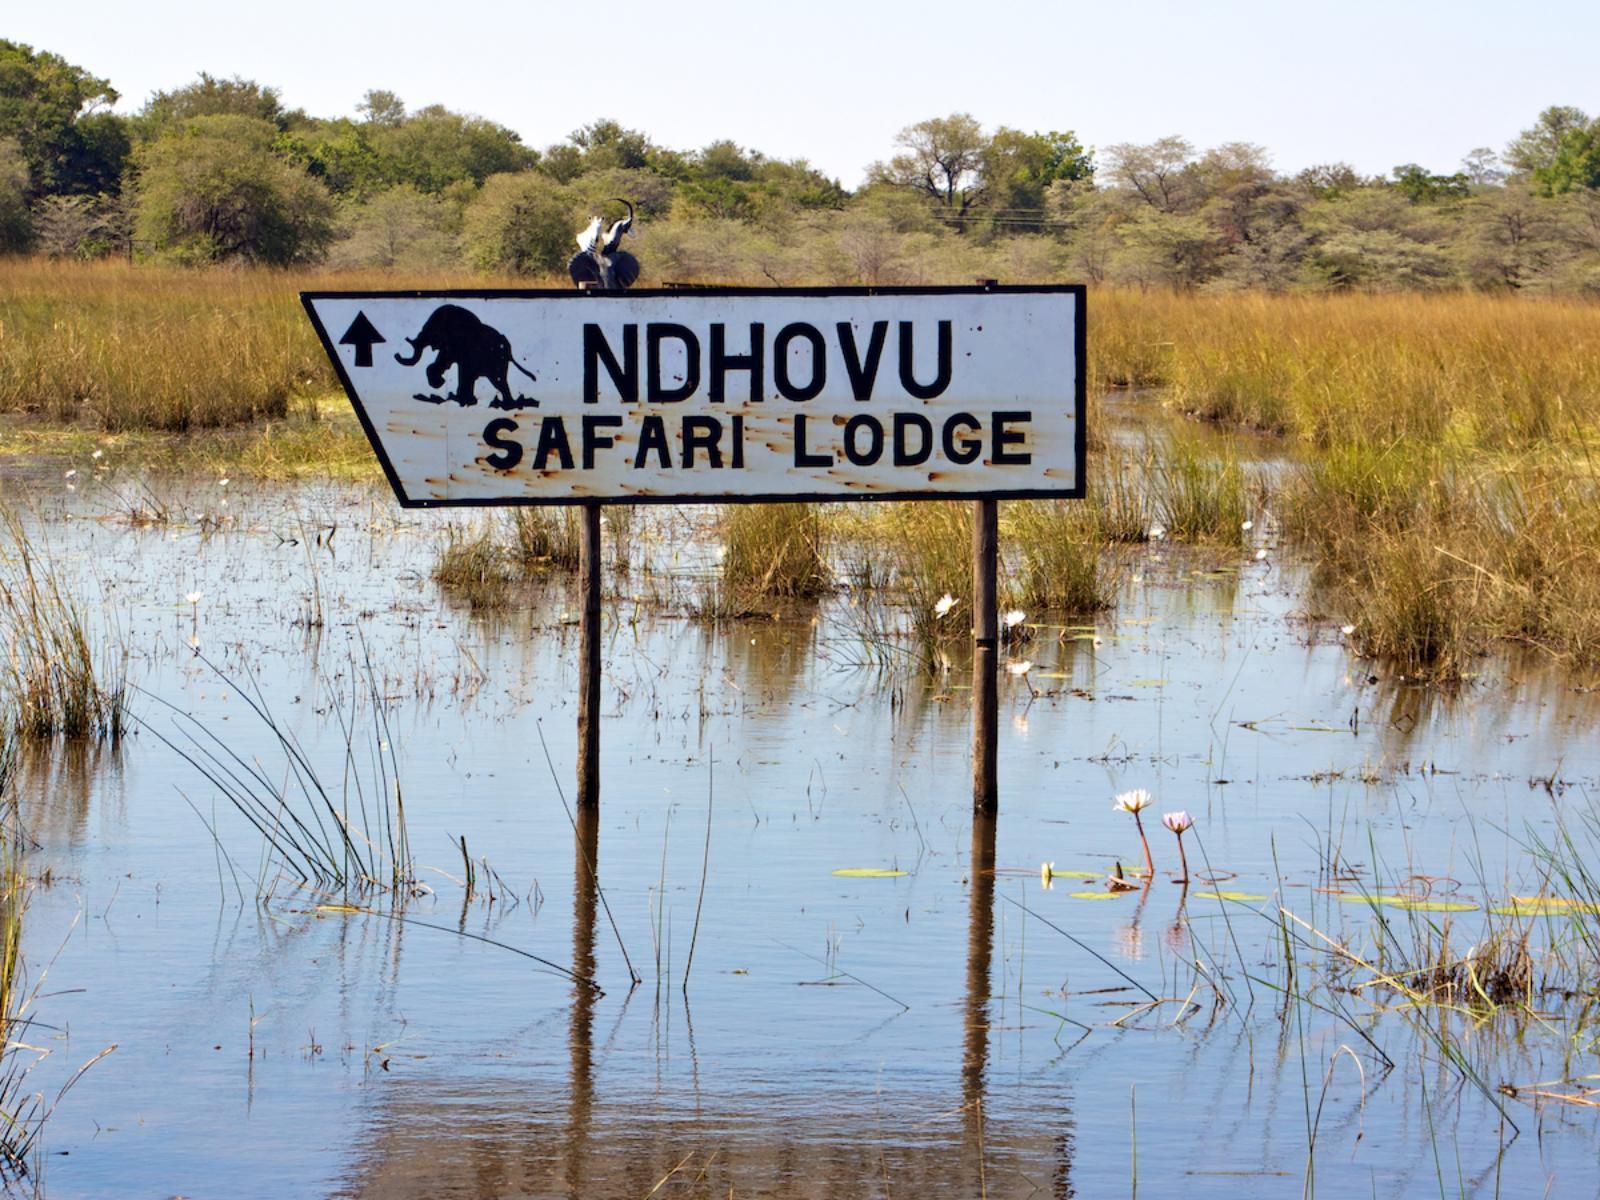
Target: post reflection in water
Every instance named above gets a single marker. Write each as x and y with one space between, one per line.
580 1031
980 952
772 1125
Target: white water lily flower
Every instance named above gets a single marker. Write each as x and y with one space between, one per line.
1098 642
193 597
1047 872
1177 821
1247 526
224 481
1157 532
1134 801
1347 630
1019 668
1260 554
946 603
1014 618
98 454
70 474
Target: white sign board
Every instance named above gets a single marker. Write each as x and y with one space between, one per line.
538 397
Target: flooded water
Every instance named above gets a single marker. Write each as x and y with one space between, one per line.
947 1025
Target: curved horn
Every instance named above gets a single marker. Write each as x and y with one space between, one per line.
614 234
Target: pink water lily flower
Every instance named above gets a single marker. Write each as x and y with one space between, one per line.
1178 822
1135 802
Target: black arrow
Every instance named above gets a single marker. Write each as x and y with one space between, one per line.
363 337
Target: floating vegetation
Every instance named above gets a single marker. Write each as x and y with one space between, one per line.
1410 903
870 872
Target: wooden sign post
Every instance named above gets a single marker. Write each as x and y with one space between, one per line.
722 395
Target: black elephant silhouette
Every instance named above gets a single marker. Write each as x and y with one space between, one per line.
477 351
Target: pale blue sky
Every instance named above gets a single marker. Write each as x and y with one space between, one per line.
1371 83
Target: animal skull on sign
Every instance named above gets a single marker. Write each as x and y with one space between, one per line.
599 261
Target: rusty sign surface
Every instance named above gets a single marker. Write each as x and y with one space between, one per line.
539 397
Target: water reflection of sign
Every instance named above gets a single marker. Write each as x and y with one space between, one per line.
716 395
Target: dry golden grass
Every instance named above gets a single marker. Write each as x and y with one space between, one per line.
138 347
1461 368
1448 496
1432 553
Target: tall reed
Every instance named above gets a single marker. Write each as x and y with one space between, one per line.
774 550
53 677
546 537
1056 546
340 829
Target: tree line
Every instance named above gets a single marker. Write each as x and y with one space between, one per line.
220 171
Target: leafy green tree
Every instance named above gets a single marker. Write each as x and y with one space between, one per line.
211 190
524 222
1482 167
1511 237
209 96
942 158
1328 181
1156 173
1575 164
382 108
563 162
434 147
1240 195
725 160
1538 146
48 107
400 227
597 192
16 226
1159 246
341 154
800 184
1019 169
607 144
1421 186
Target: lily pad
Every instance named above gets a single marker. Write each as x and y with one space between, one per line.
1095 895
1077 874
1536 906
1228 896
870 872
1411 903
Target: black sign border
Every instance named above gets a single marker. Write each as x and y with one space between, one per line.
1079 387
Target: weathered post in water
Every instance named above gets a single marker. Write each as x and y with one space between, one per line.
722 394
985 657
589 661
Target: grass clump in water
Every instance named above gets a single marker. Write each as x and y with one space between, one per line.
472 565
930 546
1199 497
774 551
1057 548
57 684
1433 553
545 537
